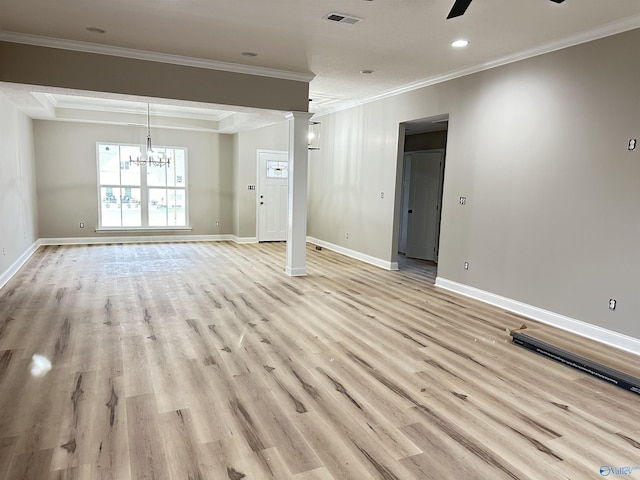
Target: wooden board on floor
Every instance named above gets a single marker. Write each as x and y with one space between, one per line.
586 348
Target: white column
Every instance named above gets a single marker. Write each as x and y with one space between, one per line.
297 207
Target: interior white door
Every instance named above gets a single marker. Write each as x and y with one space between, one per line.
273 187
424 205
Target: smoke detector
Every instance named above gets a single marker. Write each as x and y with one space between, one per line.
342 18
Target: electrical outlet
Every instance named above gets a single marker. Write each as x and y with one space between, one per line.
381 194
81 224
217 223
347 235
612 303
466 265
4 251
632 144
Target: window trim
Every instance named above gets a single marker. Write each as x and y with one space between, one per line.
142 229
144 189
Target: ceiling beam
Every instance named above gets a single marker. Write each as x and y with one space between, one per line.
92 72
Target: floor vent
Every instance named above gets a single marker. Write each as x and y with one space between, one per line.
620 379
342 18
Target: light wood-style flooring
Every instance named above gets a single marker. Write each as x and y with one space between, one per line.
203 361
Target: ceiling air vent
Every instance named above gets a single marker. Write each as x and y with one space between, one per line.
342 18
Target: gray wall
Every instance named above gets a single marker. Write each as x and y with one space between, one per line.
539 148
18 213
67 175
53 67
246 144
355 164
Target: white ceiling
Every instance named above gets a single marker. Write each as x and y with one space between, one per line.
405 42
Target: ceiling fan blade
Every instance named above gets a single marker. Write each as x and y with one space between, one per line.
460 7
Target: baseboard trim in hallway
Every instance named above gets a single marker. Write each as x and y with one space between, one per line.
363 257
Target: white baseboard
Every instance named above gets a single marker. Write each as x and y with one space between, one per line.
295 272
599 334
378 262
17 265
244 239
101 240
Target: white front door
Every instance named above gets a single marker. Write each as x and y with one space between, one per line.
273 188
424 205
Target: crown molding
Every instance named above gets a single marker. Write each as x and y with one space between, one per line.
152 56
134 109
603 31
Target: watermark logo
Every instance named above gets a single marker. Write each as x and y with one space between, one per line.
606 470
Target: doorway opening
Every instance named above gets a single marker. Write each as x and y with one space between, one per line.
421 163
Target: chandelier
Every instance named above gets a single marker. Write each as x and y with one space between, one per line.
152 158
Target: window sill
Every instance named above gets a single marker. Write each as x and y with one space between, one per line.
143 229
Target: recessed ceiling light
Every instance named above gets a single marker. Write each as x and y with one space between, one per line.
460 43
96 30
249 54
366 71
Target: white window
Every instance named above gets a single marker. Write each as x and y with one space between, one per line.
141 196
277 169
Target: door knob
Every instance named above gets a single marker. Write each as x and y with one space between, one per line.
261 203
410 211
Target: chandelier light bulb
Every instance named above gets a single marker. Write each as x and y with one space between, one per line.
162 158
